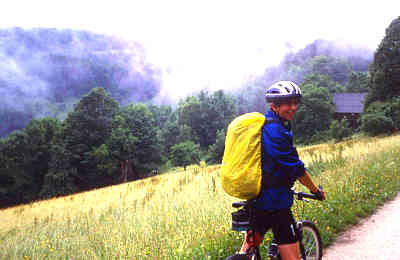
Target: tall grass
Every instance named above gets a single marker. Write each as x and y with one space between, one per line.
186 214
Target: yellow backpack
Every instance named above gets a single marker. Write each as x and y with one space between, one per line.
241 171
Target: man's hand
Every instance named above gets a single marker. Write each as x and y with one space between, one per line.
319 194
306 181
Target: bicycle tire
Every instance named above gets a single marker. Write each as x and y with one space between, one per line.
311 241
252 256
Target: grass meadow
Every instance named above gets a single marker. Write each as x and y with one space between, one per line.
186 214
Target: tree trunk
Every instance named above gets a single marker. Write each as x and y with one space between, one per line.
124 171
127 171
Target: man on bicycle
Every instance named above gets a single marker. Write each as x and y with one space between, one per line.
281 168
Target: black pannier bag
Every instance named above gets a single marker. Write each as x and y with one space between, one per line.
241 220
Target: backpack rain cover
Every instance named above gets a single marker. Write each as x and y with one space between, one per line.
241 171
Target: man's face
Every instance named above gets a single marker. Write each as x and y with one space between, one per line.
287 109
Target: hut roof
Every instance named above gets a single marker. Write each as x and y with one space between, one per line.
349 102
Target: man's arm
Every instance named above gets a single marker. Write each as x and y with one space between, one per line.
306 181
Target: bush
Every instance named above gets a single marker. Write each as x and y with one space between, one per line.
185 153
318 137
375 124
340 129
381 117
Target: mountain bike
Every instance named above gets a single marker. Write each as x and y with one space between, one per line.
310 238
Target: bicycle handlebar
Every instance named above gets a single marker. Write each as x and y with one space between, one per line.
298 195
239 204
301 195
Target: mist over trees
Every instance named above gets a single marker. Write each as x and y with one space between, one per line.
321 69
98 127
43 72
343 67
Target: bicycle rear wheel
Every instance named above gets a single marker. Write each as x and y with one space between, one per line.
311 243
237 257
252 256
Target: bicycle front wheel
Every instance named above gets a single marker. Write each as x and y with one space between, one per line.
311 243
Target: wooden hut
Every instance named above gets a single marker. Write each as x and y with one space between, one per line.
350 106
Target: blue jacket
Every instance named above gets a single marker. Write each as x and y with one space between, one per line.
279 158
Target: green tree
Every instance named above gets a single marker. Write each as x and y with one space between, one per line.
375 124
41 135
184 154
394 112
216 151
63 177
336 68
16 187
358 82
170 134
385 69
161 114
315 114
205 114
340 129
323 81
19 186
26 154
380 117
85 130
147 153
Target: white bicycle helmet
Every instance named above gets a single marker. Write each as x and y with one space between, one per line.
282 91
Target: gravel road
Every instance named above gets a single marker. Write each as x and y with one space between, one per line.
377 237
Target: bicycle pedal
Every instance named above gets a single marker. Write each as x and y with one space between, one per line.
273 250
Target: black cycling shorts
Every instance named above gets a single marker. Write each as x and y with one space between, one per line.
280 221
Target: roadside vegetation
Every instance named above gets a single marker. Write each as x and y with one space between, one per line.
186 214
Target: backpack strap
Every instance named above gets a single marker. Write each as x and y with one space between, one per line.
269 180
269 120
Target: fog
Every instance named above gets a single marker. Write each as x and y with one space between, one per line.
212 44
53 66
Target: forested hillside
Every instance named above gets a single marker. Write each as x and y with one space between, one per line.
43 72
86 119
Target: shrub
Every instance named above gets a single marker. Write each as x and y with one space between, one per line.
185 153
340 129
374 124
378 118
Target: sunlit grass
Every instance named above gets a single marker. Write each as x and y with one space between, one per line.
182 214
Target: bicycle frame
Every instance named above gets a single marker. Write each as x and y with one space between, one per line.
255 251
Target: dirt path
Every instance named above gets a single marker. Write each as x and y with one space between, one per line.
377 237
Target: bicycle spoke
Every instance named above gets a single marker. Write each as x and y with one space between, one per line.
309 245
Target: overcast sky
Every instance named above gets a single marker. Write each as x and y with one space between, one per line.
214 44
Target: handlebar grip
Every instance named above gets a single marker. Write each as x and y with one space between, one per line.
239 204
319 193
308 196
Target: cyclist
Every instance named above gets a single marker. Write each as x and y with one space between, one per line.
281 168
